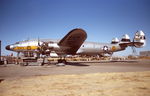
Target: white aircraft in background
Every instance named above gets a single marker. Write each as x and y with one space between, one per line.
74 44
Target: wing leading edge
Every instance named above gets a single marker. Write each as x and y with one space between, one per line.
73 40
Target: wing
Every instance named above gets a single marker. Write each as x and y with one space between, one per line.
72 41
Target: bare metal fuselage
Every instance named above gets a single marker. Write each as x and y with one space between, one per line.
87 48
74 44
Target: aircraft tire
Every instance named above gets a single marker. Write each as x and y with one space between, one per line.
42 63
26 63
59 60
62 61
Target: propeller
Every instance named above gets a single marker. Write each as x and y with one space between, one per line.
43 47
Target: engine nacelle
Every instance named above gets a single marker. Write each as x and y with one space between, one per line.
125 38
139 39
115 41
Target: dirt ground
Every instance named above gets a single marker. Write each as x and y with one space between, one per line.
15 71
125 78
93 84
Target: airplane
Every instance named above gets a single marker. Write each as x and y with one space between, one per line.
74 44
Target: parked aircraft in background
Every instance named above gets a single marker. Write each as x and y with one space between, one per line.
74 44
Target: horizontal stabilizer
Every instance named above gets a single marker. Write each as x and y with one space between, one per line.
138 41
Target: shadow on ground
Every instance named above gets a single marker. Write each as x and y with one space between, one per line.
77 64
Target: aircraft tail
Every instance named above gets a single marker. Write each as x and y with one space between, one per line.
139 40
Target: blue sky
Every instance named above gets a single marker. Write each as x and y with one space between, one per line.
101 19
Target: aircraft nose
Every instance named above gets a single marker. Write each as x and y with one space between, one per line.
8 47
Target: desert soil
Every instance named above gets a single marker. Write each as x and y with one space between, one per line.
90 84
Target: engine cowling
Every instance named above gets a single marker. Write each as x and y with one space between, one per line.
139 39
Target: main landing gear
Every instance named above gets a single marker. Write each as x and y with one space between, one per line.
61 62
